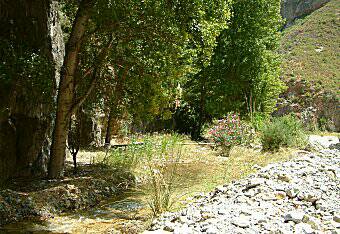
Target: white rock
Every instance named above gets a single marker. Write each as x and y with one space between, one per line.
253 182
313 205
304 228
259 218
184 219
184 229
311 197
295 216
212 230
241 221
322 142
314 222
293 192
285 178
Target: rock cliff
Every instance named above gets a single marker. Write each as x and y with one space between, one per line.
32 51
310 68
292 9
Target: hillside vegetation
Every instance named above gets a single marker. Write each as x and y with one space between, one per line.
311 49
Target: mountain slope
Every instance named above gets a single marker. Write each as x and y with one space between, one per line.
311 48
311 68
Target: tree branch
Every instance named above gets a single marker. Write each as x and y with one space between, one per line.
93 69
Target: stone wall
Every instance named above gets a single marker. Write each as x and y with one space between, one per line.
26 112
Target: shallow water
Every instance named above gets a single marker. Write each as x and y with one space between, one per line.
99 219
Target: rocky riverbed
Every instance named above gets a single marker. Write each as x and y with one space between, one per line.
298 196
43 199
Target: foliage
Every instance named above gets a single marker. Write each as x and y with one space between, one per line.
244 75
158 156
27 69
283 131
230 131
258 120
156 44
125 159
186 118
163 174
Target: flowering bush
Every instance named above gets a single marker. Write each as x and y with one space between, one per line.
229 131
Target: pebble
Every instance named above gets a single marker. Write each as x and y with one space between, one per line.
293 192
295 216
304 228
298 196
336 218
241 221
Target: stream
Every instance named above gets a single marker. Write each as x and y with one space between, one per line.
105 217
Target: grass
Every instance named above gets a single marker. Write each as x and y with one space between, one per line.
311 49
207 171
199 169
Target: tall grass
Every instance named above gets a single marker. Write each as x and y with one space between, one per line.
163 171
157 159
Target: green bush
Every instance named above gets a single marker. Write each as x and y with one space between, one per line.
283 131
230 131
258 120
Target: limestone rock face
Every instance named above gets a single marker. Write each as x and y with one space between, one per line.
292 9
314 107
31 37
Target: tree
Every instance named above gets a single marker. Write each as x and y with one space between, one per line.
104 27
65 99
245 68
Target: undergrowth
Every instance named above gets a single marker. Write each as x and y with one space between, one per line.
283 131
155 158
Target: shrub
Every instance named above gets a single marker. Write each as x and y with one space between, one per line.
258 120
124 159
283 131
230 131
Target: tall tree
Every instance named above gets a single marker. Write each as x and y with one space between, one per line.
245 68
65 100
101 28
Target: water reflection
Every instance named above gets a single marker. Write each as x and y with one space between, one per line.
99 219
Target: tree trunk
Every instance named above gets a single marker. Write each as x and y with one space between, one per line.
108 128
114 109
66 91
201 114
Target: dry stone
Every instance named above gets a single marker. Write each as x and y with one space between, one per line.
293 197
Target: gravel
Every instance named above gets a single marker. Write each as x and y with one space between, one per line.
298 196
